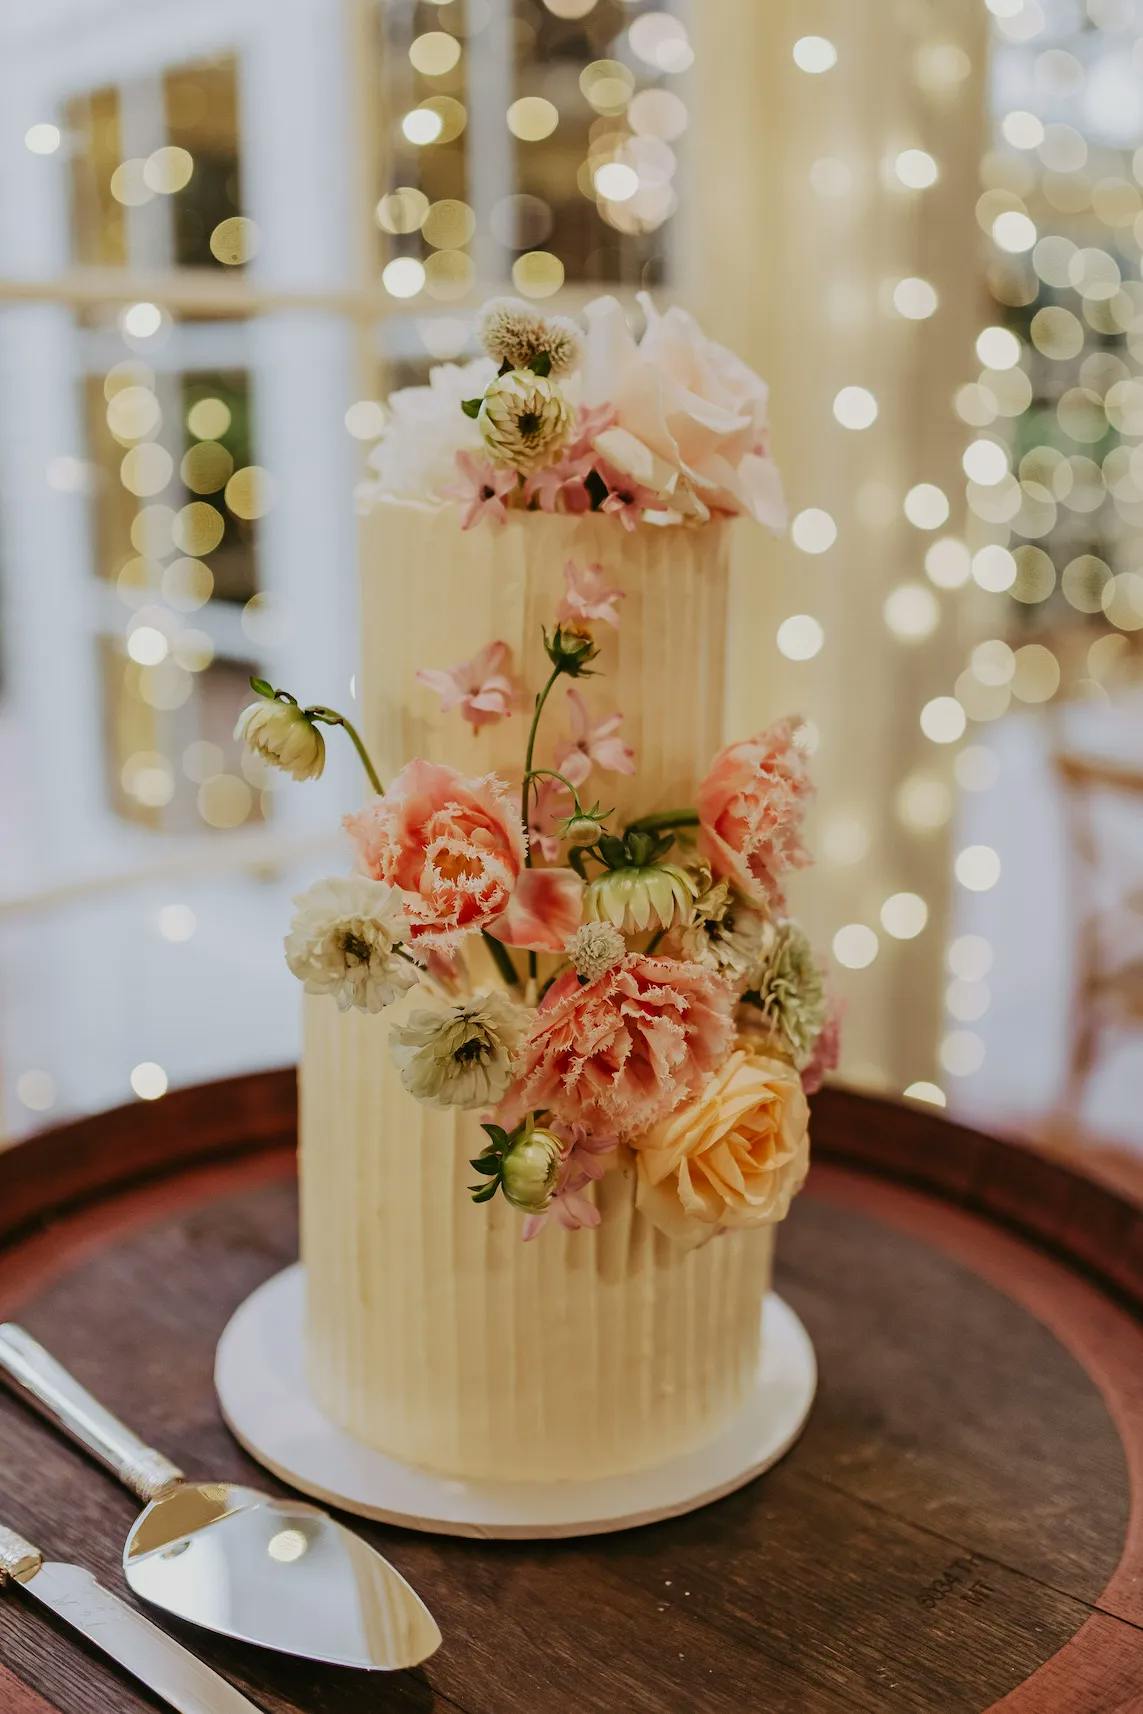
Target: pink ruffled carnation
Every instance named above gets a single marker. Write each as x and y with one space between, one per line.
619 1053
453 846
750 807
481 688
587 597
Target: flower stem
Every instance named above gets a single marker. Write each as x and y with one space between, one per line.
529 771
664 821
502 959
330 717
551 774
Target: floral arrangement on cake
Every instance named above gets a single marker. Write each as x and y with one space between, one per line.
654 1004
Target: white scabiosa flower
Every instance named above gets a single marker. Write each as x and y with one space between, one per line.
595 948
524 420
725 933
282 734
344 941
514 333
461 1056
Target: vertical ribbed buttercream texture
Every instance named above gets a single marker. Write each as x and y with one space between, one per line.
434 1333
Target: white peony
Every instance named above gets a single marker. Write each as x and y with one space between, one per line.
344 941
415 457
690 417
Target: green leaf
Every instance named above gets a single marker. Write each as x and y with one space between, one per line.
541 363
485 1192
613 851
471 407
576 856
487 1164
261 686
498 1136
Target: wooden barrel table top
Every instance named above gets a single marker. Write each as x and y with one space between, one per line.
959 1528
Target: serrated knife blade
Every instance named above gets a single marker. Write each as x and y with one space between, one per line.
117 1630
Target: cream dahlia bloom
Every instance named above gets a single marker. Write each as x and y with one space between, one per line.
460 1057
281 734
344 939
733 1155
725 933
524 419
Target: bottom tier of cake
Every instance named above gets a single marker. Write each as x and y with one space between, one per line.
436 1335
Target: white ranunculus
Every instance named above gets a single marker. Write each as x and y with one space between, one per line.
690 417
344 941
415 457
283 735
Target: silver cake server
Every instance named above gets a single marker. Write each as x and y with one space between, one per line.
277 1572
157 1660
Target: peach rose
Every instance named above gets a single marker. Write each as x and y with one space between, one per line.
690 417
453 846
618 1053
733 1155
750 808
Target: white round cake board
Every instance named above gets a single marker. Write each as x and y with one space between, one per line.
260 1377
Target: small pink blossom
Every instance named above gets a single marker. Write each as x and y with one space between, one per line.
587 596
626 499
583 1164
482 490
588 746
560 487
750 808
454 847
549 805
827 1050
621 1052
544 911
481 688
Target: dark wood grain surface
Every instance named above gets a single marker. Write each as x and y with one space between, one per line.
953 1532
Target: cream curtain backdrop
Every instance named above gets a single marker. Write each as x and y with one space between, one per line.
800 280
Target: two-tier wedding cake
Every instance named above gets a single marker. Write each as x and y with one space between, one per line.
559 1028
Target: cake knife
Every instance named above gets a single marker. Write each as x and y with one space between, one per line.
158 1661
281 1573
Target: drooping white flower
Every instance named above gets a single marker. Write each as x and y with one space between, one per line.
460 1056
282 734
344 941
415 458
524 419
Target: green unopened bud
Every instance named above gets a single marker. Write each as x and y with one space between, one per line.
531 1169
582 829
284 735
570 650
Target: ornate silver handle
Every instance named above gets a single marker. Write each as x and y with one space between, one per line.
36 1377
19 1560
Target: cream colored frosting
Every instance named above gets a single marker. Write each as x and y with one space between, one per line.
434 1332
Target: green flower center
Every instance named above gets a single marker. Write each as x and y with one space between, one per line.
473 1048
528 423
354 947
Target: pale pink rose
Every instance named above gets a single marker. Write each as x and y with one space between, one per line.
590 421
690 417
550 804
588 597
584 1163
453 846
827 1050
620 1052
483 489
592 746
750 808
544 911
732 1155
482 688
